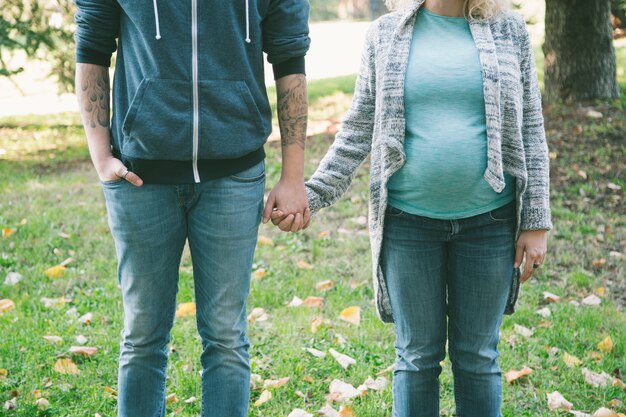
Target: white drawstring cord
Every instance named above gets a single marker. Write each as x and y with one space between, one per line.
156 19
247 21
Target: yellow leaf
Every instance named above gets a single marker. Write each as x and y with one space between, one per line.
186 309
606 345
6 232
110 392
514 374
83 350
6 305
259 273
352 315
601 291
265 397
345 411
323 234
317 323
324 285
304 265
312 302
3 373
56 271
66 366
171 399
553 155
598 263
263 240
571 360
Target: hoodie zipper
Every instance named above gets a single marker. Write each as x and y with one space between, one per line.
194 75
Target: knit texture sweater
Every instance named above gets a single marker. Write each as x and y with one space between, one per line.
375 124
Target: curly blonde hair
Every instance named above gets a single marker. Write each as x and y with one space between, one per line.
474 9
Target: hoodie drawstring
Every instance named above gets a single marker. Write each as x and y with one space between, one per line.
247 21
156 19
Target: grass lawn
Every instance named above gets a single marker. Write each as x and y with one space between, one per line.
51 197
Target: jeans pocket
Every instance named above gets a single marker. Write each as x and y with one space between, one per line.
504 213
252 174
109 183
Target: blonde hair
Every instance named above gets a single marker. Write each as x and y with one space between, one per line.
474 9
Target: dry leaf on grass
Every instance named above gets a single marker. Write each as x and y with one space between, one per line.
190 400
344 360
259 273
54 302
522 331
591 300
600 291
42 404
13 278
313 302
6 305
86 319
83 350
80 339
323 234
556 401
8 231
258 314
266 241
66 366
342 391
295 302
275 383
186 309
514 374
544 312
304 265
351 315
596 379
324 285
570 360
265 397
56 271
598 263
606 345
3 373
11 404
299 413
171 399
370 383
388 369
553 298
57 340
604 412
315 352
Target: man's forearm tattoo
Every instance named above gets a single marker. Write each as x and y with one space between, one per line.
292 112
93 95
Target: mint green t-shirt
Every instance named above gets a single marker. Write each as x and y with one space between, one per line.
446 132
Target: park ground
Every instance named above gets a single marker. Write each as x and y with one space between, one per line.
52 210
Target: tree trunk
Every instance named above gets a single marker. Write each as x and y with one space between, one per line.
580 58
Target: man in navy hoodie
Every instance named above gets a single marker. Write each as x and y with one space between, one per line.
182 159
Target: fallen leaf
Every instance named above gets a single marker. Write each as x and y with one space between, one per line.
6 305
265 397
3 373
604 412
110 392
342 391
344 360
186 309
351 315
553 155
259 273
314 302
553 298
579 413
171 399
514 374
388 369
66 366
80 339
323 234
304 265
11 404
345 411
6 231
56 271
600 291
86 319
258 314
54 302
64 235
619 383
42 404
295 302
83 350
556 401
339 339
596 379
13 278
275 383
606 345
570 360
522 331
315 352
377 384
54 339
598 263
328 411
324 285
613 186
263 240
255 379
591 300
299 413
544 312
317 322
190 400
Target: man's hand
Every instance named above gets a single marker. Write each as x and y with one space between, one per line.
112 169
532 245
287 206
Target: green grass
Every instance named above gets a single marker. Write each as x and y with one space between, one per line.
50 194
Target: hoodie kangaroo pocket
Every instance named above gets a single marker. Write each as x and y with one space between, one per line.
230 122
159 122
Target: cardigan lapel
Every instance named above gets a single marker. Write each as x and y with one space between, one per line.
483 38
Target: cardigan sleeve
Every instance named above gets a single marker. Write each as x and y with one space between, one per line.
353 142
536 198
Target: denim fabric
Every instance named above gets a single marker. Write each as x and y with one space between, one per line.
448 280
150 225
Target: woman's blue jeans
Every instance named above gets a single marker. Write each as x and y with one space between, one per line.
448 280
150 225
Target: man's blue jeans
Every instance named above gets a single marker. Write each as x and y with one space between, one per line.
150 225
448 279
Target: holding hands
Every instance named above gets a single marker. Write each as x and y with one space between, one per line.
287 206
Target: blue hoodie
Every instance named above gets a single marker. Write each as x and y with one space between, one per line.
189 97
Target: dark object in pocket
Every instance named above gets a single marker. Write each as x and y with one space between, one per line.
513 292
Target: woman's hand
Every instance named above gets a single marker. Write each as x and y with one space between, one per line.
111 169
532 245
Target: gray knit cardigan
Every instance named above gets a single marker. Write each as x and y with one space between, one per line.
375 124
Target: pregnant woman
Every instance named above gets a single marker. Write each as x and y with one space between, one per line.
447 103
